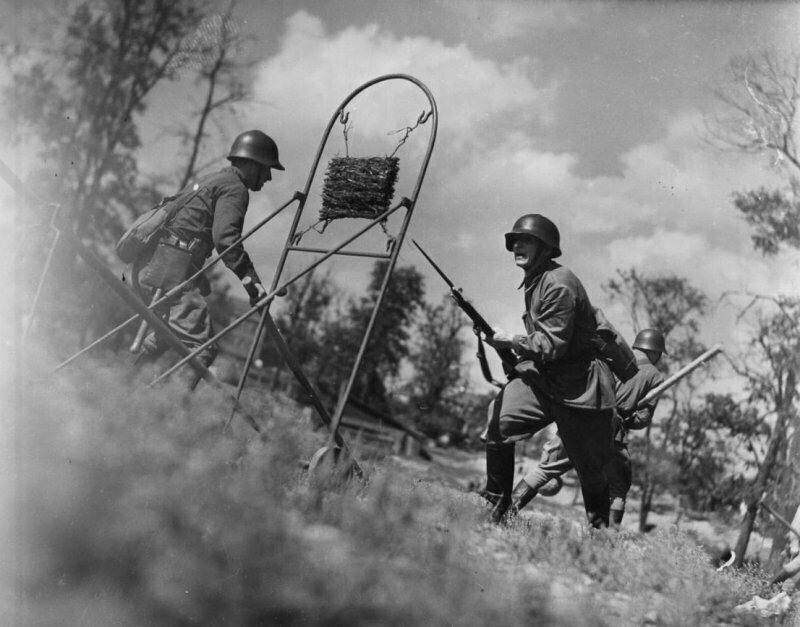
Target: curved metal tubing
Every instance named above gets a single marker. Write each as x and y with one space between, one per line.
335 438
272 294
309 181
342 403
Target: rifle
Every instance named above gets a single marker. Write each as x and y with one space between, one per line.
673 379
479 324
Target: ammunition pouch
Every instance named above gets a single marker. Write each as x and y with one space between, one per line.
170 264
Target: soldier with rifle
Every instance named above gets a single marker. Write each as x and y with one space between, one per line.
212 216
558 372
558 376
554 374
631 413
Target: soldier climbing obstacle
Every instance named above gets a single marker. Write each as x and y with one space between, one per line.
212 217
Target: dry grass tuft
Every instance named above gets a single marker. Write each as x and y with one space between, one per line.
136 509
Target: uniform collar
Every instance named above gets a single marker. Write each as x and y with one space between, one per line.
532 279
237 172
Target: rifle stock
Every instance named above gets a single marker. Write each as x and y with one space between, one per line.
506 355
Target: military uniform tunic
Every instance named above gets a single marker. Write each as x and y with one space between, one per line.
560 380
213 218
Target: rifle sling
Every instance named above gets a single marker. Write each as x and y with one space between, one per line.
484 363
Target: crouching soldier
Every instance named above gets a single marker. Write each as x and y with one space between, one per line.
212 217
560 379
648 348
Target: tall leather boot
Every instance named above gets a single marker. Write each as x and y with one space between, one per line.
522 495
597 509
500 477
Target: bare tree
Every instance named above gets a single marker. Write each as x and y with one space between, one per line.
760 117
760 105
213 50
772 386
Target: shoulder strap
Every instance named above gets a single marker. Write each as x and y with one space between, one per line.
179 203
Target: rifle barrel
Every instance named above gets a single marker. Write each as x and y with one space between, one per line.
506 355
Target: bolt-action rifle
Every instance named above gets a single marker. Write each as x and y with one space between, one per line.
479 324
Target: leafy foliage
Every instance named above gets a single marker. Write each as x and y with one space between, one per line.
667 303
303 320
706 440
774 216
437 385
388 345
83 100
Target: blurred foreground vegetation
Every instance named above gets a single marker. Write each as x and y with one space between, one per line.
136 508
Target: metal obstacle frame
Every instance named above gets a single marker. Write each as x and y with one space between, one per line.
145 311
266 323
335 442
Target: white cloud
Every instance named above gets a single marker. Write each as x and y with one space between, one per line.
483 150
669 212
315 70
503 20
710 268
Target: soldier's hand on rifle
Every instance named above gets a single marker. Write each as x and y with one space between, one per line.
499 339
254 290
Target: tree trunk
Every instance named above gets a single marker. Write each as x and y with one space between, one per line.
765 473
647 484
745 530
646 505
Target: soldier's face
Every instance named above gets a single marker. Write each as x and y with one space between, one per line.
653 356
262 175
255 174
527 251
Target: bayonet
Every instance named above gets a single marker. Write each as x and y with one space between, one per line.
479 323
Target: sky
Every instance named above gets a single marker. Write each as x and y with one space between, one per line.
590 113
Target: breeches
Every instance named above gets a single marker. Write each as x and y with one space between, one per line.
190 321
520 410
554 463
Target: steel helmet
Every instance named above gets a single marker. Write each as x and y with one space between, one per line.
650 340
258 147
539 227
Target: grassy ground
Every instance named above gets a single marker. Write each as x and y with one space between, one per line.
137 508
